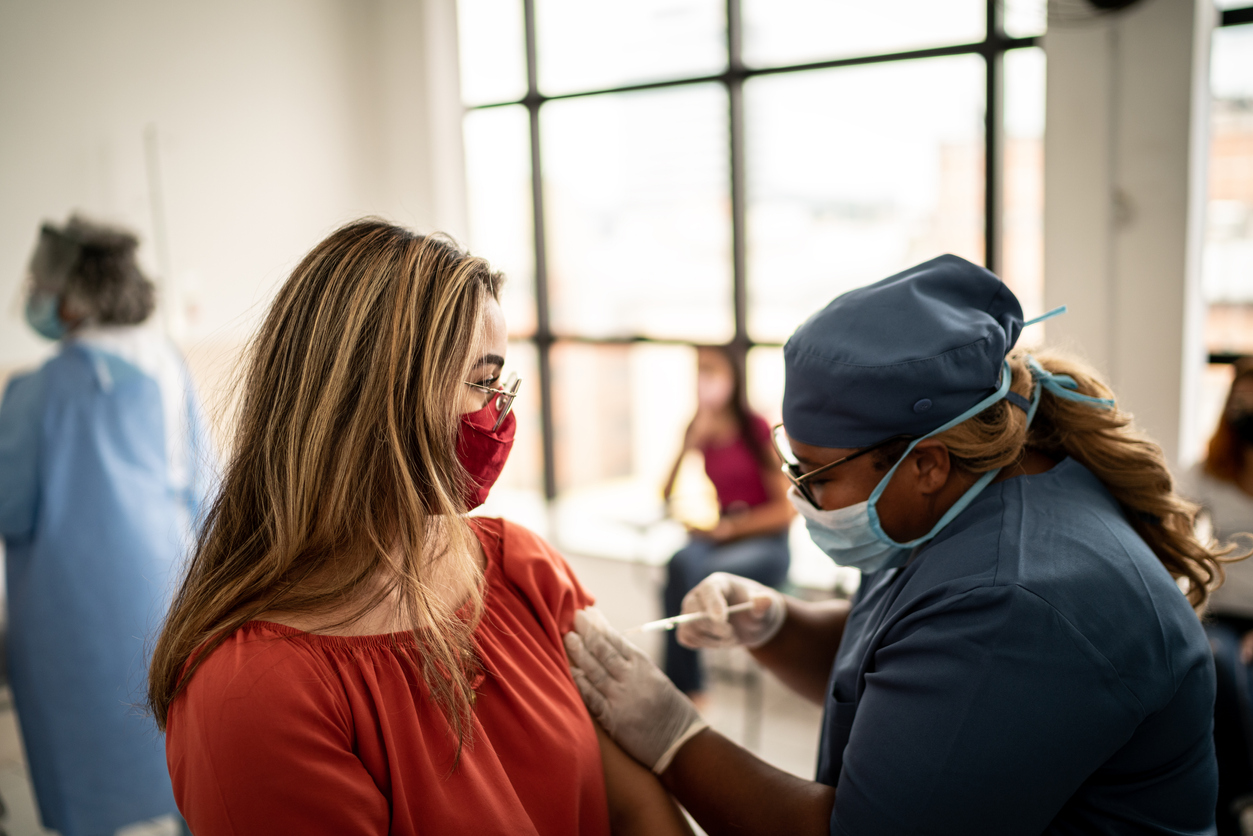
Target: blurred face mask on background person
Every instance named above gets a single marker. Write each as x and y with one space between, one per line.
42 315
713 389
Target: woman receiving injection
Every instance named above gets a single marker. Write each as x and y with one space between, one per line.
349 653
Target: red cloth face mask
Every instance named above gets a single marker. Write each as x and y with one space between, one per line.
482 452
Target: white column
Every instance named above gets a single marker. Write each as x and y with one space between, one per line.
1125 152
411 85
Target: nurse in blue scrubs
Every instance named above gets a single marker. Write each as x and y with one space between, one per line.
1023 655
104 466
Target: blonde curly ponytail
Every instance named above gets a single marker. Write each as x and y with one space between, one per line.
1130 464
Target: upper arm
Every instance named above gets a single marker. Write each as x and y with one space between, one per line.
20 428
985 716
638 803
269 752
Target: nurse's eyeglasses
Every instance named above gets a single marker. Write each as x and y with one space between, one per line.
792 465
503 397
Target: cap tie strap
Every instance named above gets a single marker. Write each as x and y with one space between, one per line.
1063 386
1058 311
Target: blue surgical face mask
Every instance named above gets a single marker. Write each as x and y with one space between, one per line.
41 314
847 537
853 536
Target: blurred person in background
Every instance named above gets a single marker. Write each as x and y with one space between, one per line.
750 537
104 467
349 653
1222 483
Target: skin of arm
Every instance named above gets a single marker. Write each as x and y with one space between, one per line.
674 471
802 652
693 437
638 804
729 790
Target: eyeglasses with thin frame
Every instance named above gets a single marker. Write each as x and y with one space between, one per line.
792 465
504 396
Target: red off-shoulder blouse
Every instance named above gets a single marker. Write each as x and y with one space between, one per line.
285 732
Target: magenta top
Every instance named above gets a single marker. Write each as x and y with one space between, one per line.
736 472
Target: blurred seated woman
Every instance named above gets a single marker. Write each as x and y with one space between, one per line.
349 653
1222 484
750 538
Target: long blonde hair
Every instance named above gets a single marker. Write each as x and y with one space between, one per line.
1130 464
344 467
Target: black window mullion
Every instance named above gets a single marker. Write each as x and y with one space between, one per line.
993 137
1236 17
543 323
738 173
979 48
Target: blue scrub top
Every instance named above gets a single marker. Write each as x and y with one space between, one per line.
1033 669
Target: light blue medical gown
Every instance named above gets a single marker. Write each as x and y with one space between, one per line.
96 524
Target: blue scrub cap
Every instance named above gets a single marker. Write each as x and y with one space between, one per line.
901 356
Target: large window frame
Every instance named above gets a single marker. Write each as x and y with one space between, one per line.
992 49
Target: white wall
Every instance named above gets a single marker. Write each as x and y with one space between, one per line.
1125 153
270 123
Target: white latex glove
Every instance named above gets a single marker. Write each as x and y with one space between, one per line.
751 628
628 695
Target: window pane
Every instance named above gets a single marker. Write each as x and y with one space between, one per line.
519 492
1228 255
765 382
798 31
619 414
636 195
493 50
855 174
1022 232
594 44
498 190
1024 18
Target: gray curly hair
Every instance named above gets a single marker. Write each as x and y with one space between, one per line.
92 269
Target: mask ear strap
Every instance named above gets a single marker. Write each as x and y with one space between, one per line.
877 527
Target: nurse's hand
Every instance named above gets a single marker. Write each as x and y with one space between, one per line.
751 628
628 695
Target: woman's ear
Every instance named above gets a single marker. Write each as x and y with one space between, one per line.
930 465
